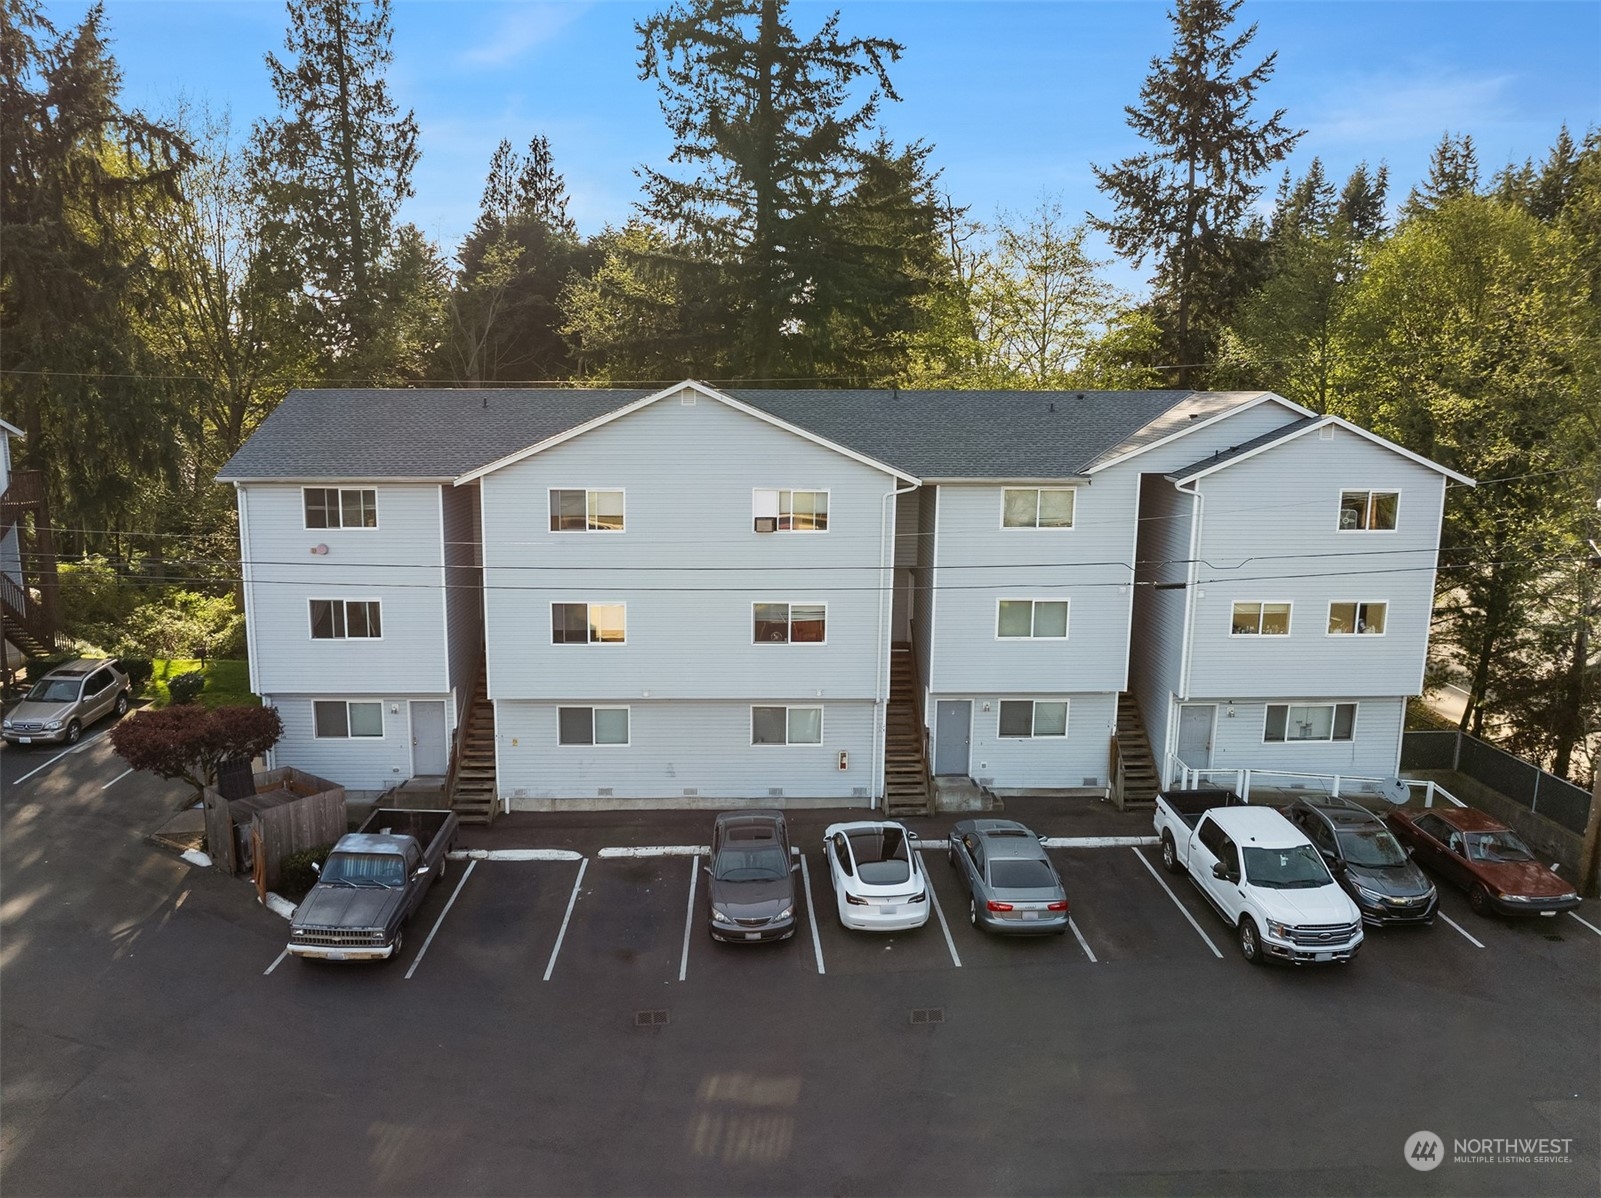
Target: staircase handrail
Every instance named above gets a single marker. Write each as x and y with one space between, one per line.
1115 771
463 718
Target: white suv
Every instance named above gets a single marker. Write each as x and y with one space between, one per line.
66 701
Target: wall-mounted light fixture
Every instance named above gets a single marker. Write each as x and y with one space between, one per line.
319 550
1231 709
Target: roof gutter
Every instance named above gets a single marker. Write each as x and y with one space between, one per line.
1055 480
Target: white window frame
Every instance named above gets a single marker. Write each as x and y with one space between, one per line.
1033 719
789 606
1370 492
822 729
1359 604
1261 605
1067 624
1330 739
344 618
589 494
1035 527
586 604
383 724
341 491
778 511
592 708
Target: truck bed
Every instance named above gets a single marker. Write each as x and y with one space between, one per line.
400 821
1190 805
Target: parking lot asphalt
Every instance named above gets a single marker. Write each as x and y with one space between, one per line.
567 1026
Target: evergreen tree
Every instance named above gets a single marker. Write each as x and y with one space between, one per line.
78 173
1184 201
1453 171
331 173
765 124
1361 203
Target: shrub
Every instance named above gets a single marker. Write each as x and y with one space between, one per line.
38 667
186 688
179 622
95 598
295 875
138 670
189 743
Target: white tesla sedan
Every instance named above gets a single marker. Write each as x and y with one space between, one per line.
877 876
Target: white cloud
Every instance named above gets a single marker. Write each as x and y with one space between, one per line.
520 30
1421 104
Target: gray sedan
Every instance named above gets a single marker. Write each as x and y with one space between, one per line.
752 878
1011 884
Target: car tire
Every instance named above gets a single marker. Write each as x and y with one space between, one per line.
121 709
400 943
1250 941
444 867
1170 855
972 911
1479 899
74 731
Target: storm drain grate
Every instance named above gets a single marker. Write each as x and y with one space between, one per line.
1552 936
923 1016
650 1019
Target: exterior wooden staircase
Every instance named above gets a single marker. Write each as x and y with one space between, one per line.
907 789
470 789
1134 778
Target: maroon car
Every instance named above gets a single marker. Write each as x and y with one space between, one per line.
1485 858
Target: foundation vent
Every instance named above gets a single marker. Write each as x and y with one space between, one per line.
604 792
691 791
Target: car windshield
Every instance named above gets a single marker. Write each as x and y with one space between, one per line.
882 856
1370 846
1497 846
1296 868
1023 874
763 864
54 690
365 869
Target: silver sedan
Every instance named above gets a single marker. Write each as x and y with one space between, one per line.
1011 884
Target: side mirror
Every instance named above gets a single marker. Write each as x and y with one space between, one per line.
795 869
421 870
1409 850
1043 839
707 870
316 869
910 835
1220 871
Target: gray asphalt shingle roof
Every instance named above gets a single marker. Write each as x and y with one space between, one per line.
1234 451
417 434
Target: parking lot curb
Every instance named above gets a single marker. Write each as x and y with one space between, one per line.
658 850
1100 842
515 855
280 906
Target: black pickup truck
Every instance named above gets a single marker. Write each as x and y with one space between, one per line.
371 883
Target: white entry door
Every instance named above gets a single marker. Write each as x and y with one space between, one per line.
1195 734
429 756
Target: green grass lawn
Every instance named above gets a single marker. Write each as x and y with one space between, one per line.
227 682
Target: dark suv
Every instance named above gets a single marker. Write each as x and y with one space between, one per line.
66 701
1367 860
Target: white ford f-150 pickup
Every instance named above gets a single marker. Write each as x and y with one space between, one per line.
1261 874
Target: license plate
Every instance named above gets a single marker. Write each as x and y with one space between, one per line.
24 740
1324 957
753 935
1549 914
1031 915
891 909
336 956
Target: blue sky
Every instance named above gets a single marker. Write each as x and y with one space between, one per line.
1017 98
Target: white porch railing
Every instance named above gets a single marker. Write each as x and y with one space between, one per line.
1240 781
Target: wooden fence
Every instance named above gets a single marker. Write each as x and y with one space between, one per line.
290 812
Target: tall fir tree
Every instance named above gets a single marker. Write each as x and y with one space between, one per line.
1453 171
330 174
1184 201
765 126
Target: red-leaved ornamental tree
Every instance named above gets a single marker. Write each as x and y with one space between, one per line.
189 743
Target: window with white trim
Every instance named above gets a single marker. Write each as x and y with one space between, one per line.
1368 511
592 725
789 511
1037 507
346 619
786 725
789 623
1036 619
1260 619
1357 619
586 511
337 507
1309 721
341 719
588 623
1028 718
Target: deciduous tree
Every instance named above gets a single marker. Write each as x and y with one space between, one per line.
188 743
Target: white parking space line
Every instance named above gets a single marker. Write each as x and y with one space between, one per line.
77 748
423 951
940 911
689 916
1459 928
117 779
1160 881
276 961
565 919
811 913
1082 943
1587 924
